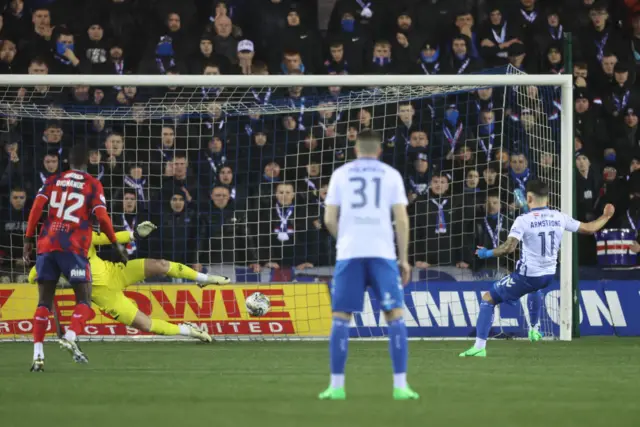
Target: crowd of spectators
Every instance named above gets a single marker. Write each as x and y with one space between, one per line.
249 189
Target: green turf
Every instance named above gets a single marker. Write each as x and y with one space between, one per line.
588 382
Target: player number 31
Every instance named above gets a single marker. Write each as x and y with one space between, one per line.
63 211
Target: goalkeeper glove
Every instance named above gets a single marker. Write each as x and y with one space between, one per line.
121 253
144 229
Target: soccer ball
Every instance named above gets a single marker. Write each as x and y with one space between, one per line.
258 304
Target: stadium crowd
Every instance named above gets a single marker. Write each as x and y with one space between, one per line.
248 189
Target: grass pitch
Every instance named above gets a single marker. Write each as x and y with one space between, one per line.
588 382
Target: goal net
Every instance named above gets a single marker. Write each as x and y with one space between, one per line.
234 172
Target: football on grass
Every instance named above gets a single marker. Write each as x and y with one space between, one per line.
258 304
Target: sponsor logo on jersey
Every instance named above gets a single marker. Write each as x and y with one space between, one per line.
78 272
74 175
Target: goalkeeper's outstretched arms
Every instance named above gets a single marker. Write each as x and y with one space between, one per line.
142 231
597 224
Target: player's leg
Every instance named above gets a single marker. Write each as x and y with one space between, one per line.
535 309
78 272
115 303
161 267
384 278
347 296
508 289
48 274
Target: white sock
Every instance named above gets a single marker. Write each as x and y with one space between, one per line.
536 328
38 350
70 335
185 330
337 380
480 343
400 380
202 278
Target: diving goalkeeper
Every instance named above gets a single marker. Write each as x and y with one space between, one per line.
110 279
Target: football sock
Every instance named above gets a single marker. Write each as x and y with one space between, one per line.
81 314
399 351
535 307
40 324
483 325
181 271
162 327
338 347
38 350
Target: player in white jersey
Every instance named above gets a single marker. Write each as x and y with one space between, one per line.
540 232
364 194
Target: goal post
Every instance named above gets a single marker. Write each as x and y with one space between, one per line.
382 94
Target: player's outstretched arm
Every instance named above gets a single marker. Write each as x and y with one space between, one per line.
32 223
507 247
596 225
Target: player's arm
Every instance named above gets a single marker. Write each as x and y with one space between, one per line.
331 219
595 225
32 223
508 246
399 203
332 206
123 237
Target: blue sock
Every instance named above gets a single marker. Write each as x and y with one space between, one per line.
398 348
485 319
338 346
535 308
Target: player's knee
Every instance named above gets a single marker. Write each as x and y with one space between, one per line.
486 297
393 314
156 267
141 322
342 315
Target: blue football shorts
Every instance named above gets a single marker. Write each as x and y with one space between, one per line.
511 288
75 268
352 277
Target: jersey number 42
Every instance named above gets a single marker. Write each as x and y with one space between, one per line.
65 212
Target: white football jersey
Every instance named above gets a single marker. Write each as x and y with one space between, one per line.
365 191
540 232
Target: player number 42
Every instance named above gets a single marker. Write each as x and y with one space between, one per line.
63 211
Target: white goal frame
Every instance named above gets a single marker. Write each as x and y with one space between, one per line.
464 82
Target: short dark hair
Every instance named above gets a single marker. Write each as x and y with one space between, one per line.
493 193
181 155
371 135
78 156
129 191
538 188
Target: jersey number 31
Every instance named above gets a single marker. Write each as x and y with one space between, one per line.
67 212
361 192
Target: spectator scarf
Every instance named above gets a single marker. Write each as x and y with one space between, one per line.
600 46
284 230
208 91
487 104
166 155
419 183
464 63
503 34
529 16
210 124
441 226
261 100
216 160
232 191
494 233
621 102
301 115
162 66
556 33
453 138
45 175
138 185
520 178
486 130
633 224
131 246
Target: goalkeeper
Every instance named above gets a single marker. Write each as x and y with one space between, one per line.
110 279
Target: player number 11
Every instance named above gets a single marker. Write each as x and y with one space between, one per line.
66 212
543 242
